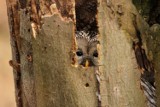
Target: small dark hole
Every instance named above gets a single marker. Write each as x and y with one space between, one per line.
28 55
87 85
45 48
29 30
26 12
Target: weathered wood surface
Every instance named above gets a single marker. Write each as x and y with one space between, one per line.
120 85
42 50
42 55
57 83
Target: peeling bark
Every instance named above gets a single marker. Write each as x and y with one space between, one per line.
56 79
65 7
123 27
42 40
14 22
42 76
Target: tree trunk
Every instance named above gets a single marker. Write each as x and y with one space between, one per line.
121 77
43 44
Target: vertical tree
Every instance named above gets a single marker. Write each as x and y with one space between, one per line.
43 46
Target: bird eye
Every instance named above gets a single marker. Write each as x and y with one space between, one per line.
95 54
79 53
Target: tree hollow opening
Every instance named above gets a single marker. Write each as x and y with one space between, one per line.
86 33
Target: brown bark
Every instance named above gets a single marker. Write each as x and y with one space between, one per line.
152 13
15 41
120 73
42 40
124 54
45 76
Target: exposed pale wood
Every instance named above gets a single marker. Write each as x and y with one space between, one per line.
120 86
44 76
59 84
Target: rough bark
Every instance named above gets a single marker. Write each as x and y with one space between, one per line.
154 50
120 85
121 27
42 40
42 52
15 62
57 82
151 16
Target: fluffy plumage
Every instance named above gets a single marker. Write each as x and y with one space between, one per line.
149 92
87 49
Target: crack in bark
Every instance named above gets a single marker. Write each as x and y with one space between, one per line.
144 64
65 8
35 9
147 70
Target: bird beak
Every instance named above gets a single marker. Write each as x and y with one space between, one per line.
87 63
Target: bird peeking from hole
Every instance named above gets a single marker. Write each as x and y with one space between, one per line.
86 53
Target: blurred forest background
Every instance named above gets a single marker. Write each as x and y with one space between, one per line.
7 98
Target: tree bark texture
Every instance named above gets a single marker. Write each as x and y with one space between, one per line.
121 26
42 41
150 12
42 61
120 85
